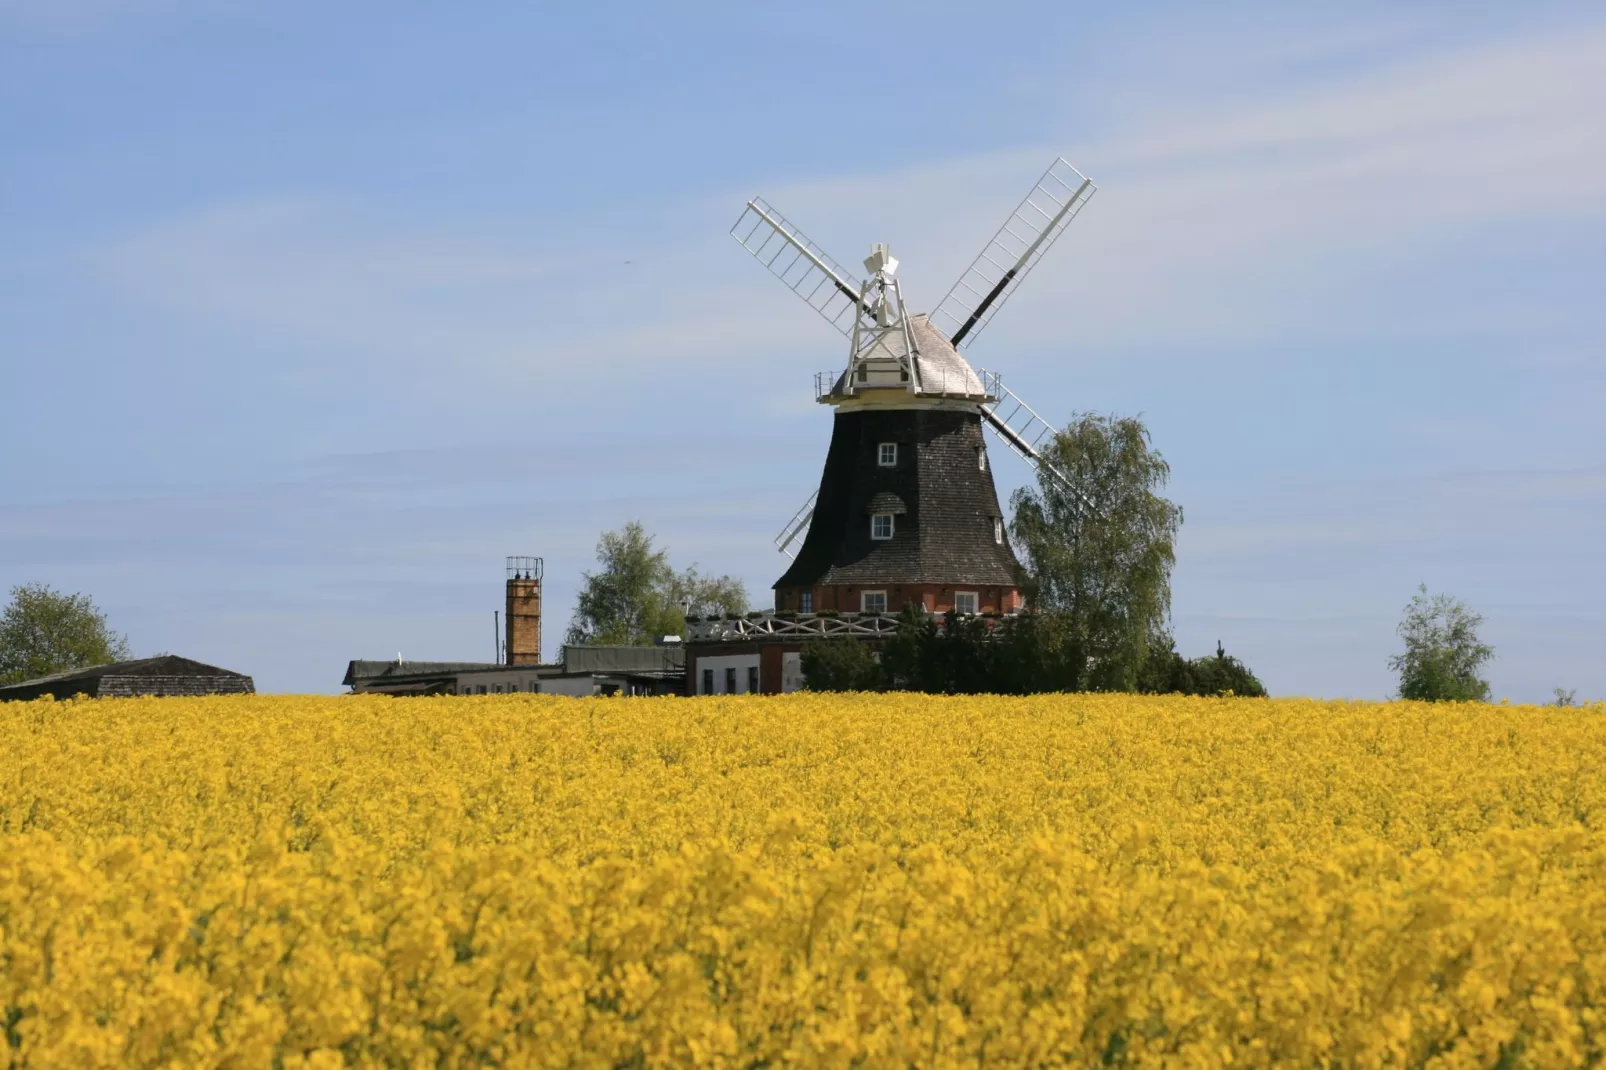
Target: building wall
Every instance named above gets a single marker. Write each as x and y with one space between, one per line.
499 682
936 597
715 668
573 686
779 665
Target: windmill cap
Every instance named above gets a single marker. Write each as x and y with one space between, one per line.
880 261
943 371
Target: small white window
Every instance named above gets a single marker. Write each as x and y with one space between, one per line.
805 602
998 530
964 601
888 455
981 458
873 601
881 526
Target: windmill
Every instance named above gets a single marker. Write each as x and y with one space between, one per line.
906 511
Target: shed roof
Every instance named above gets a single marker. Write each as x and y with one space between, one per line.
364 671
166 668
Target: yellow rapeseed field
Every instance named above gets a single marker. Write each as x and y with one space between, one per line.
811 880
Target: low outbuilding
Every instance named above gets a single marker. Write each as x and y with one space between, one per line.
165 674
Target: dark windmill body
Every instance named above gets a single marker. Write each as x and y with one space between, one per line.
906 513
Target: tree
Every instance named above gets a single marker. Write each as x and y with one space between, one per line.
1167 672
1442 653
1100 550
43 631
841 665
636 595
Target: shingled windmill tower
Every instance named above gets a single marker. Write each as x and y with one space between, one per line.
906 512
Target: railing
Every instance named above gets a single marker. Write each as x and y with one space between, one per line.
810 626
794 626
934 382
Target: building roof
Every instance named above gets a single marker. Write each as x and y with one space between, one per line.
943 371
398 676
160 673
362 671
670 657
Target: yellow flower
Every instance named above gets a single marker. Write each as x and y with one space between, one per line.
858 880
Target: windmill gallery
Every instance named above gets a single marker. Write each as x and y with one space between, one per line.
906 513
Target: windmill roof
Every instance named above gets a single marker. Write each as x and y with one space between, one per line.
944 372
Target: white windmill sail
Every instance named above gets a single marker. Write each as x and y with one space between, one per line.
791 257
796 526
1029 232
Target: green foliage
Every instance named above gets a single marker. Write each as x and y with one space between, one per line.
1026 654
841 665
1167 672
1018 655
1100 551
1442 655
43 631
635 594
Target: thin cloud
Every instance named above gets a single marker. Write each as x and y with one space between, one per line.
1226 226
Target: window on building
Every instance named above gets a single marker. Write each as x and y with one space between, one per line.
981 458
998 530
805 602
965 601
708 681
887 455
881 526
730 680
752 679
482 689
873 601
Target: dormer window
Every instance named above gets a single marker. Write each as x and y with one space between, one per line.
887 455
981 459
998 530
880 525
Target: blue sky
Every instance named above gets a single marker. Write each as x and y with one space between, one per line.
312 313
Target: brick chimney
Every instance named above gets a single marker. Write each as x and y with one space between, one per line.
523 611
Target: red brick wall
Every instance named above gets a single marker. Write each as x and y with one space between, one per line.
937 597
